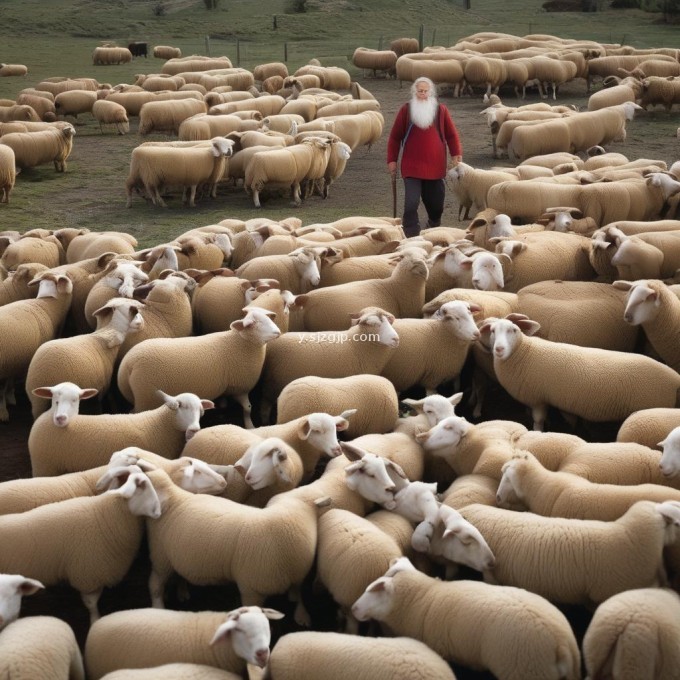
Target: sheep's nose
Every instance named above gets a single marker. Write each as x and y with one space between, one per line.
335 451
190 433
499 499
262 656
60 421
476 335
491 563
627 317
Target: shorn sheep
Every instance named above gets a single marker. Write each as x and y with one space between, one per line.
146 638
154 166
540 373
515 634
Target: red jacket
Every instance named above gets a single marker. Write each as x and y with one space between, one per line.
424 154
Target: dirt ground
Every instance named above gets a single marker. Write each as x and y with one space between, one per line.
364 189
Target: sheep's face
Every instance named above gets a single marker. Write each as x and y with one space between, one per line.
670 458
505 337
320 431
376 601
445 436
507 494
642 305
462 543
12 588
459 320
487 273
199 477
369 478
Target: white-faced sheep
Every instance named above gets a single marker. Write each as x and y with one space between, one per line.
297 272
61 440
15 286
8 172
649 426
44 146
84 359
513 633
40 647
235 359
156 165
634 634
73 548
632 382
599 559
471 186
12 588
226 640
334 656
33 246
373 397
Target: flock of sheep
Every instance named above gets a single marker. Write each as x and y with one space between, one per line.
466 539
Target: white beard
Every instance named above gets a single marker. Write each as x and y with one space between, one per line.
423 113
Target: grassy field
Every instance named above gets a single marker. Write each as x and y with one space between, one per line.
57 38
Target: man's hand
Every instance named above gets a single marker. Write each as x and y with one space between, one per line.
392 168
454 161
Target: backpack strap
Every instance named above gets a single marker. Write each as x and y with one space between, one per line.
438 122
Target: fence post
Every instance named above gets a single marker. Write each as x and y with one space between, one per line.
207 45
434 36
285 52
238 52
420 37
380 43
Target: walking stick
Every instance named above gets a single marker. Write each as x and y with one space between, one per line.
394 193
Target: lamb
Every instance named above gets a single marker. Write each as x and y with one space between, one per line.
509 631
634 634
311 436
26 324
287 527
226 640
599 559
401 294
373 397
448 334
12 588
40 647
563 494
288 166
7 172
521 363
649 426
111 113
297 272
235 357
72 546
363 348
335 656
156 165
44 146
60 444
20 495
84 359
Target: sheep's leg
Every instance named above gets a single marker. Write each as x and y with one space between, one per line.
157 583
250 598
4 413
539 413
256 198
192 196
301 615
10 396
244 401
265 411
91 600
297 199
350 624
554 89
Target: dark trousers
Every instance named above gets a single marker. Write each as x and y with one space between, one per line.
431 191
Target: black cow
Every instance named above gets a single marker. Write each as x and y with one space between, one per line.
138 49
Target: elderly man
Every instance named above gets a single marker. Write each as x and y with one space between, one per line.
422 131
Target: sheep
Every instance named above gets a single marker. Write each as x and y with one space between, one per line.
44 146
102 56
632 382
166 116
166 52
649 426
86 244
16 285
634 635
373 396
72 546
509 631
651 305
658 91
111 113
20 495
401 294
12 588
61 441
448 333
288 166
41 105
7 172
7 70
287 526
26 324
363 348
31 247
173 671
297 272
430 410
599 559
334 656
649 255
235 358
40 647
310 435
19 112
472 184
154 166
73 102
84 359
205 126
225 640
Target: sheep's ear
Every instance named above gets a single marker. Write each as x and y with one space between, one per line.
29 586
223 633
341 422
414 404
272 613
527 326
397 468
44 392
304 429
378 586
351 451
455 398
88 393
103 312
206 404
622 285
170 402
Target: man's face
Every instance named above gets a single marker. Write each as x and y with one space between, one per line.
422 91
